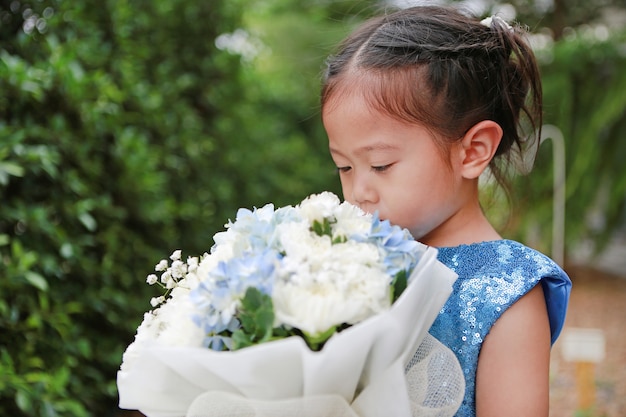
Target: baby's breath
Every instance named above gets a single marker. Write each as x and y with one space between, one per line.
161 266
155 301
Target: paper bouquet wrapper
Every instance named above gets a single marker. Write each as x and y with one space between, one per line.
363 365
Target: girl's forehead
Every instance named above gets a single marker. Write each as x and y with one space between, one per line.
352 115
357 108
347 100
403 93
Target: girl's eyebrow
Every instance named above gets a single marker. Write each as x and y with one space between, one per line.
378 146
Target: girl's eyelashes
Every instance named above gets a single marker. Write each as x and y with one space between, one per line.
375 168
381 168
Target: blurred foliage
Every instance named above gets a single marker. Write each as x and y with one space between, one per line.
126 134
130 129
581 48
584 77
556 15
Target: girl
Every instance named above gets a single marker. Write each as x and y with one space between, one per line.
417 104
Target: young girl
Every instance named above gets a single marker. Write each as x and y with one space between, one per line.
417 104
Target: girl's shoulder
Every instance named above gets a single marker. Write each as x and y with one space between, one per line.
498 257
498 273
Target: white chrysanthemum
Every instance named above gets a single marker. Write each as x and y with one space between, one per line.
299 242
351 220
319 206
328 290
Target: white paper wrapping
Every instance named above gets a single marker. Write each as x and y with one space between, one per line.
364 364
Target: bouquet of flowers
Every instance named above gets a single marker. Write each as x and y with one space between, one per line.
320 299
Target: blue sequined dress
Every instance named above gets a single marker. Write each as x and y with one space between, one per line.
492 276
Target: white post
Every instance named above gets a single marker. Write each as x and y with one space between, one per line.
586 348
558 203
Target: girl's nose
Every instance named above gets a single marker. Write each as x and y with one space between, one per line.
363 191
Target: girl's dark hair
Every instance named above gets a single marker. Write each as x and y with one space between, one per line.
445 70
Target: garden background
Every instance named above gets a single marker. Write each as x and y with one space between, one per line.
129 129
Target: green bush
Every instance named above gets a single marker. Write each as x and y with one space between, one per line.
126 134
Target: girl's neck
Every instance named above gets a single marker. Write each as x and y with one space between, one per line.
469 225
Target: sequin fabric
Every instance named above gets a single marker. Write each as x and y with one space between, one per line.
492 276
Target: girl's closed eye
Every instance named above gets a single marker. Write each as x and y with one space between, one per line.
343 169
381 168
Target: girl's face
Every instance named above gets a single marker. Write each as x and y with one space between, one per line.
394 168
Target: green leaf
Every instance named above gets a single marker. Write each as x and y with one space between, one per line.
339 239
36 280
9 168
323 228
23 401
257 319
316 342
240 339
88 221
67 250
399 285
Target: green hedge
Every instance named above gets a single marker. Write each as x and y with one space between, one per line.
126 134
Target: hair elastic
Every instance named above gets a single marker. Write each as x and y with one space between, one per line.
488 21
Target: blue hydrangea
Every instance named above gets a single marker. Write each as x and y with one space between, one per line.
399 250
258 226
217 297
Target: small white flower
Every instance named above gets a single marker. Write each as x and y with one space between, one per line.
166 276
192 264
175 256
152 279
155 301
161 266
178 269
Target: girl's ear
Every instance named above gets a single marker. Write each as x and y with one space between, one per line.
478 146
